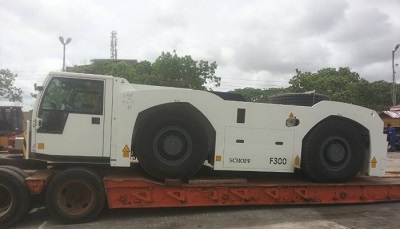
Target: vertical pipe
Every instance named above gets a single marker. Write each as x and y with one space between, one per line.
394 95
27 140
64 59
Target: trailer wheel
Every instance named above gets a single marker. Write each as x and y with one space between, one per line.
171 145
14 197
75 195
14 156
21 172
24 163
23 175
333 152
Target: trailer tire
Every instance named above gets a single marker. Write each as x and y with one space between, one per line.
333 152
15 156
75 195
21 172
32 164
171 145
298 99
15 200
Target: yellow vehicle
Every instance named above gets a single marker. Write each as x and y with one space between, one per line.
11 121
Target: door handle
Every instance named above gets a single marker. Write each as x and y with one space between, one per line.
96 120
37 123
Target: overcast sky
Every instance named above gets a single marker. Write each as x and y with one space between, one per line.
255 43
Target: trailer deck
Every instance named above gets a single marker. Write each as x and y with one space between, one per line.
129 189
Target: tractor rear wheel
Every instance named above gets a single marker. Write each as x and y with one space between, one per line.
75 195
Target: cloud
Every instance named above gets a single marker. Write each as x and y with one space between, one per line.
319 17
260 43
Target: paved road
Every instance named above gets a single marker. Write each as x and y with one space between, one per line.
393 161
381 215
384 215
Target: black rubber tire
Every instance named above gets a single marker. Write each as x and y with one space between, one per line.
15 199
298 99
171 145
14 156
21 172
333 152
32 164
75 195
23 176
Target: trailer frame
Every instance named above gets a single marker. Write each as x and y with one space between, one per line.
129 188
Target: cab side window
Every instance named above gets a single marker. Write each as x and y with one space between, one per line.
64 96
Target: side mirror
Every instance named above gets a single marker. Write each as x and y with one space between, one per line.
38 88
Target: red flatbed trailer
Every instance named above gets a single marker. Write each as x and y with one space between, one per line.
127 188
136 192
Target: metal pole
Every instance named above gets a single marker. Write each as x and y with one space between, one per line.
64 43
64 59
394 94
394 79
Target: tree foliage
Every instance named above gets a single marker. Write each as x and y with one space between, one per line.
338 84
167 70
341 85
7 89
376 95
172 70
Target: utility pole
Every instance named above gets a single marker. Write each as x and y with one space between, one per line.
394 75
113 49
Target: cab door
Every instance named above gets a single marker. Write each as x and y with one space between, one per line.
70 120
258 149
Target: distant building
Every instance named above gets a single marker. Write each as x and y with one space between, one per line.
391 116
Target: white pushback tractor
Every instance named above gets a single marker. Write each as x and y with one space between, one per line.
96 119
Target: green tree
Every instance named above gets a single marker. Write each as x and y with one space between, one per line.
7 89
377 95
345 86
337 83
340 84
167 70
124 70
172 70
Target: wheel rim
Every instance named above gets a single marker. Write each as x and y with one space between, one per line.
76 198
6 200
172 144
335 153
